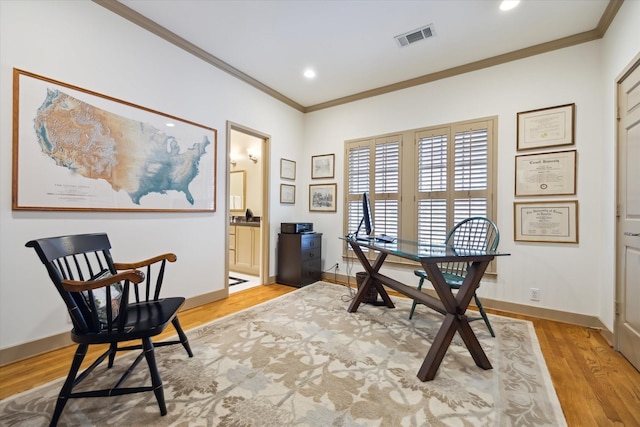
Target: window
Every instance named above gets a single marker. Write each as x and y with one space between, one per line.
421 191
453 178
374 165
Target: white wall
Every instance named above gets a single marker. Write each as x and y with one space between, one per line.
83 44
575 278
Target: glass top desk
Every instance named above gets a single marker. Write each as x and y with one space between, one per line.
452 306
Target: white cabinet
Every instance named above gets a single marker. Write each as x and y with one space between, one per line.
232 247
246 249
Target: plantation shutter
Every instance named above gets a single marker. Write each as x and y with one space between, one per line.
386 197
432 169
470 174
358 176
421 193
453 178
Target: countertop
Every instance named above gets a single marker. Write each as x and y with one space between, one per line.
246 223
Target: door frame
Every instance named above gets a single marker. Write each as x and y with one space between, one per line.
264 225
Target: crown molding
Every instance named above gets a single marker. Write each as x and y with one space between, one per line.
131 15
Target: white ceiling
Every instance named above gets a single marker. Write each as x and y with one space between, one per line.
351 43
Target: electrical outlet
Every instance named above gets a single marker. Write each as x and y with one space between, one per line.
337 266
534 294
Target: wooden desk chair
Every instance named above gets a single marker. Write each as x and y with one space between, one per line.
472 233
102 310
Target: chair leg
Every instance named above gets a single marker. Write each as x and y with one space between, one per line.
112 356
156 381
63 397
483 314
183 338
413 307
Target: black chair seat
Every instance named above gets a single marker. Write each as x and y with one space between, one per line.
144 319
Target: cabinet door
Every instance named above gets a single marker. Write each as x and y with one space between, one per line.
244 249
232 246
255 242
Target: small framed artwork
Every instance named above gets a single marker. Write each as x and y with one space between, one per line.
555 221
322 166
287 194
287 169
546 174
546 127
323 197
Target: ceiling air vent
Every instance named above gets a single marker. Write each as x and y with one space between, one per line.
415 36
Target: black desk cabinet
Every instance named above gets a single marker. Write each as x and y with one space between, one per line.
299 259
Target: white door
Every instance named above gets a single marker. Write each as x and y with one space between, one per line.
628 230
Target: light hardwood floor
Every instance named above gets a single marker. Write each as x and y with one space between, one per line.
595 384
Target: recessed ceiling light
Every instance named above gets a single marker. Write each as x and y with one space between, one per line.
309 73
508 4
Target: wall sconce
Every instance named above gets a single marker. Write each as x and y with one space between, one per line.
253 158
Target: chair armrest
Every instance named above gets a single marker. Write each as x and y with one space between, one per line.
134 276
132 265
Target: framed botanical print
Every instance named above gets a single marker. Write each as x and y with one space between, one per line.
322 166
323 197
287 194
287 169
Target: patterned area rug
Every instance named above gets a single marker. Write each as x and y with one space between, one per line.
302 360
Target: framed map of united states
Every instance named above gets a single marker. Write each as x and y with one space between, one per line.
75 149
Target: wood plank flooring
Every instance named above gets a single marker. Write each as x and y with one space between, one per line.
596 386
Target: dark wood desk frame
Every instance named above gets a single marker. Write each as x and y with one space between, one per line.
453 307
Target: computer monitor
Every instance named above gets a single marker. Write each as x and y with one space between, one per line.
367 217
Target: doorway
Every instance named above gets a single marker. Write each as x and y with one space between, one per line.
247 207
627 328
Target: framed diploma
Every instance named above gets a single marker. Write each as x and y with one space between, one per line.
546 174
546 127
555 221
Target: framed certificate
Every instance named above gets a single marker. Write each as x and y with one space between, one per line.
546 127
555 221
546 174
